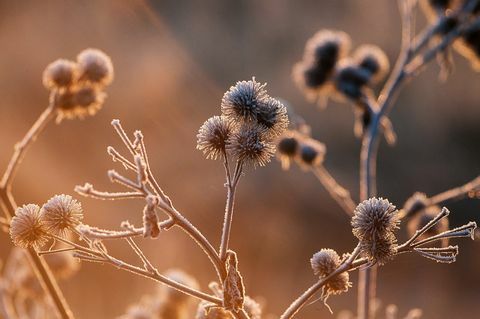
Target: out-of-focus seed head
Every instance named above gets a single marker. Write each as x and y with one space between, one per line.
423 217
60 74
250 145
63 265
79 102
288 146
350 80
243 101
61 213
95 66
253 308
469 46
416 203
374 60
172 295
213 136
323 264
27 229
272 115
321 54
311 153
374 224
206 311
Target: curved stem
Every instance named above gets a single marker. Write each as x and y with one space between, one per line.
22 147
301 301
337 192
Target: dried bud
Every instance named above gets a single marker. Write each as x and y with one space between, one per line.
311 153
233 288
323 264
288 147
374 224
321 54
59 74
244 101
350 80
79 102
27 228
95 66
372 59
61 213
250 145
150 219
212 137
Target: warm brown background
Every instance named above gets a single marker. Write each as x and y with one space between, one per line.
173 61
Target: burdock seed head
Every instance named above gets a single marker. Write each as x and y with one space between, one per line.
243 101
322 52
350 80
95 66
213 135
250 145
415 204
372 59
61 213
59 74
323 264
272 115
374 222
27 229
80 101
311 153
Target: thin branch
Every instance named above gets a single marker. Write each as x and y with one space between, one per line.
456 193
338 193
227 222
87 190
22 147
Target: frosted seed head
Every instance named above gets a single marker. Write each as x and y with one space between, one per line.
61 213
325 48
80 102
250 145
272 115
213 136
374 222
372 59
27 228
243 101
323 264
60 74
95 67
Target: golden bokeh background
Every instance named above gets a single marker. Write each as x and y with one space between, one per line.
173 60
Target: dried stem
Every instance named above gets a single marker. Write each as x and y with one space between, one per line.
301 301
338 193
227 223
40 267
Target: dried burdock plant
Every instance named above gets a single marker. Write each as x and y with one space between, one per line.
250 126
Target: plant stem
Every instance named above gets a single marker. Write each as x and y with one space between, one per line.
40 267
337 192
300 302
227 223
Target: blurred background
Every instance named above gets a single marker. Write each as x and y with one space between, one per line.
173 60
